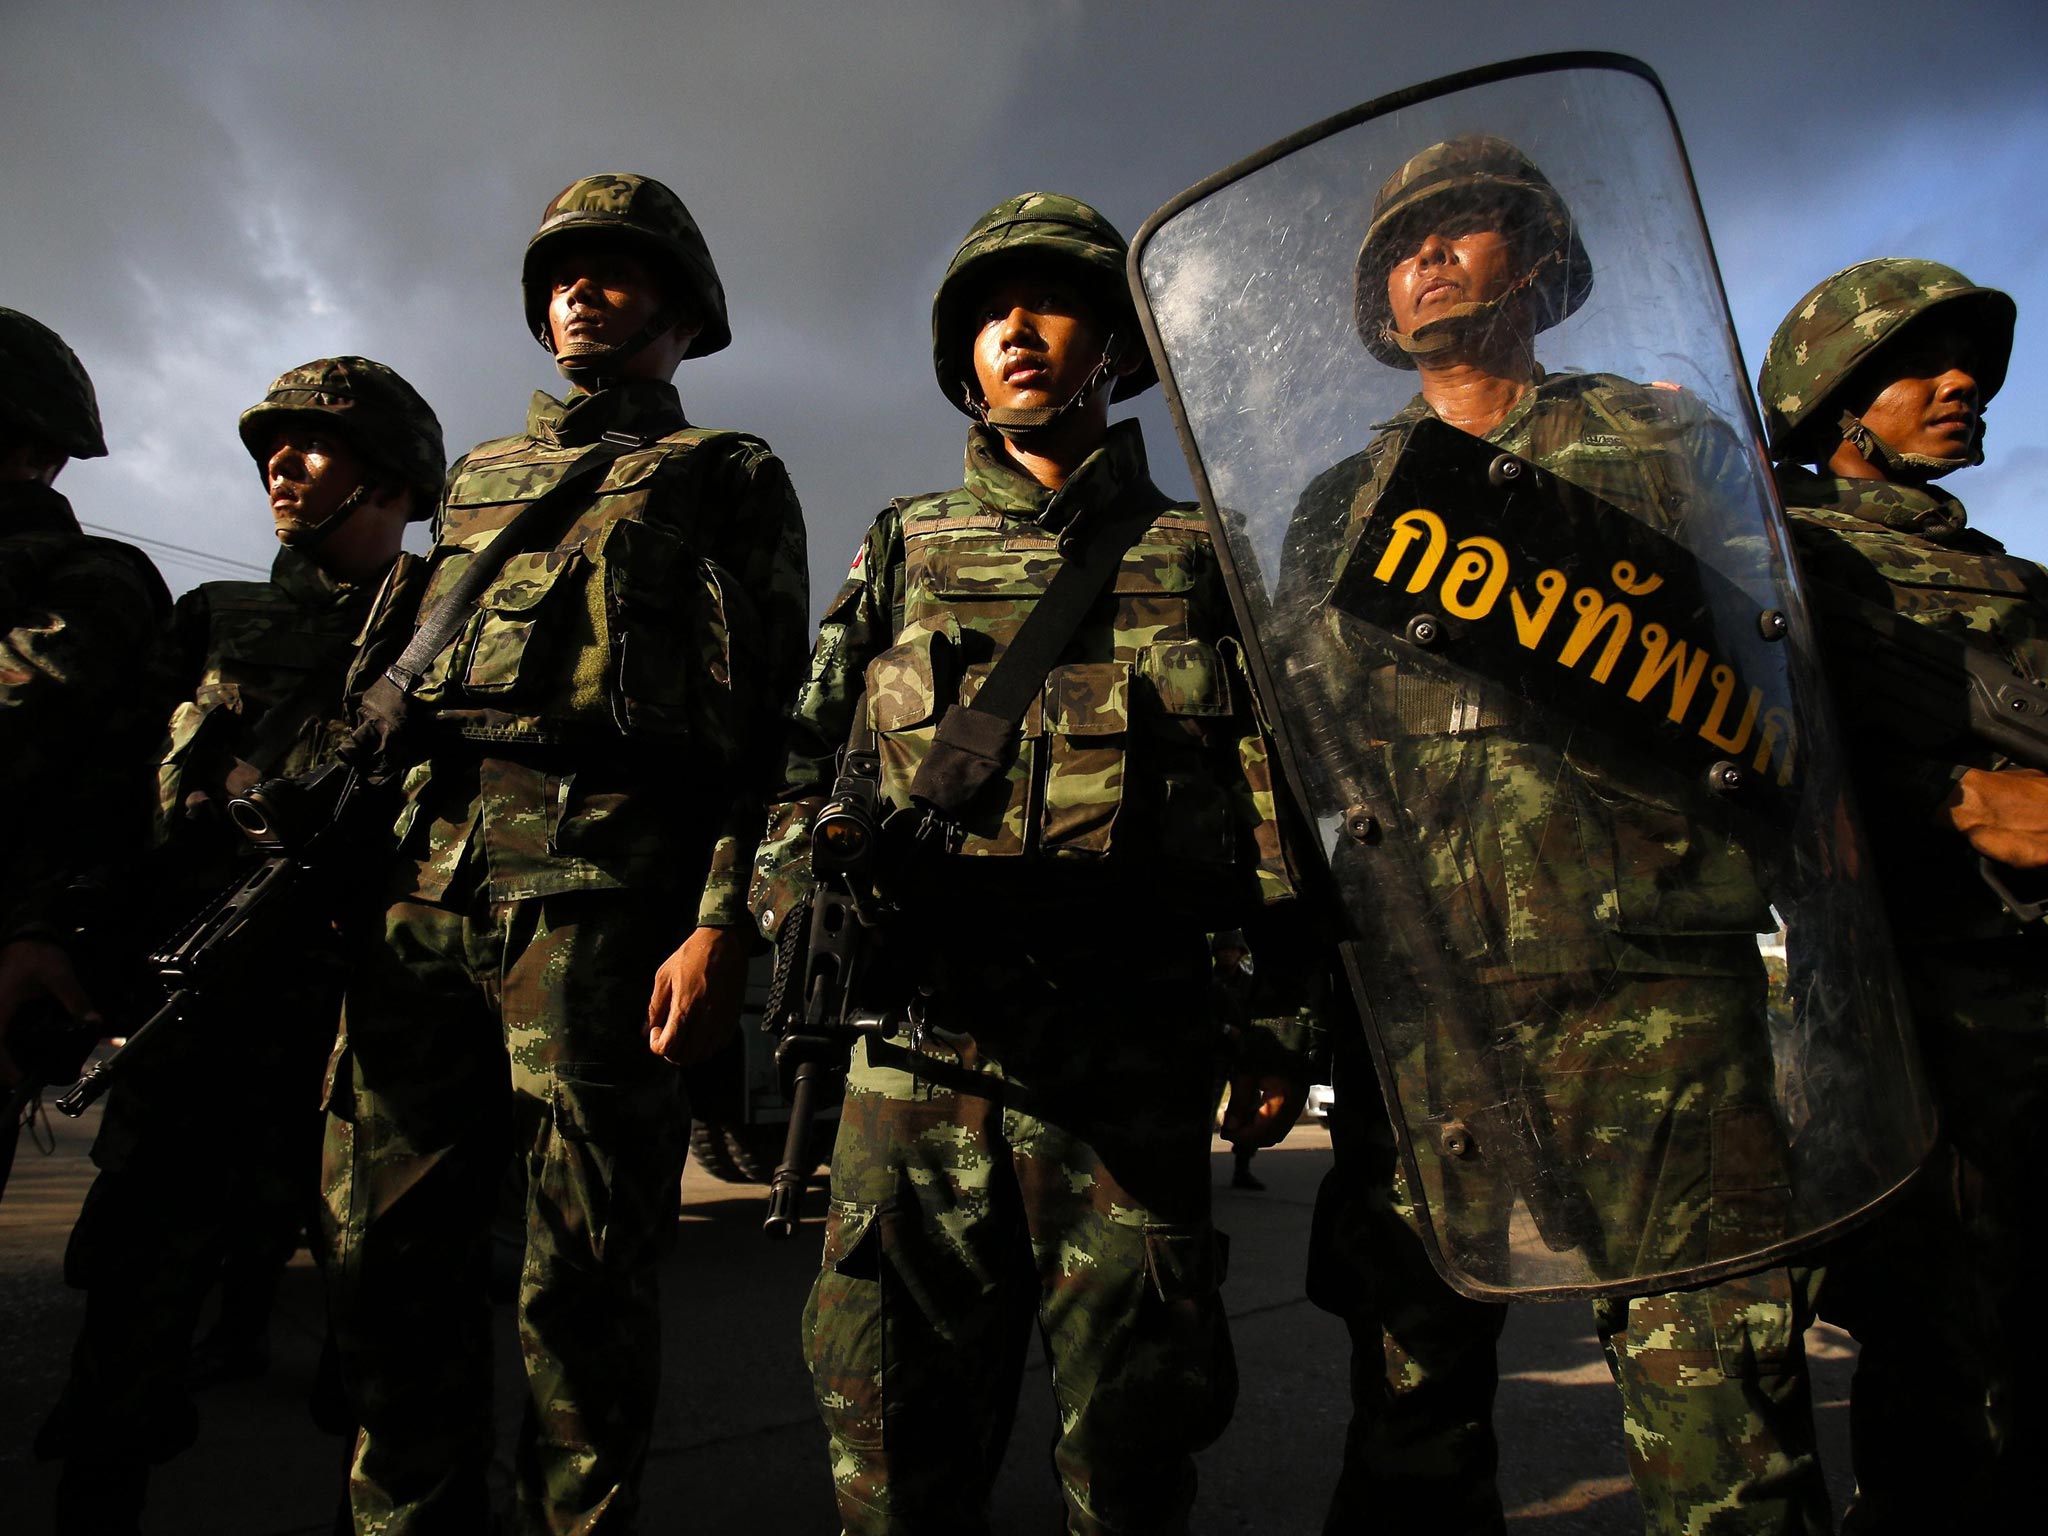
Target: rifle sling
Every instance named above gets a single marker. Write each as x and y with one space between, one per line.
974 740
386 700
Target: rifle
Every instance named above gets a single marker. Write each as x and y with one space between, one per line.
294 824
826 953
1948 689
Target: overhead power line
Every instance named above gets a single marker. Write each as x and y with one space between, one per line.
169 548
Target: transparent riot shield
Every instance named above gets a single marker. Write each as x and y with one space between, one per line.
1455 375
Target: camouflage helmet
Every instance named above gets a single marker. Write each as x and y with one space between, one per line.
638 211
1472 171
370 407
1845 319
44 390
1035 226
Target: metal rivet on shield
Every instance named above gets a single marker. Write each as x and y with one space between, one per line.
1454 1139
1425 629
1505 470
1772 624
1725 777
1360 825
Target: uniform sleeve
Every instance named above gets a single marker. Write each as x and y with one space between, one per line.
858 626
765 549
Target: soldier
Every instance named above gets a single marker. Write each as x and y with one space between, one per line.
348 454
1231 988
1878 379
1038 1147
587 764
1607 911
80 617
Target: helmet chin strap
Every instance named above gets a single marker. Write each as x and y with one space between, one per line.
307 538
592 364
1917 466
1433 336
1025 421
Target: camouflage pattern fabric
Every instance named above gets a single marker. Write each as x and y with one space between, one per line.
477 1032
369 405
1044 1148
80 618
598 741
1628 919
1042 1156
149 1242
45 392
1977 982
1841 323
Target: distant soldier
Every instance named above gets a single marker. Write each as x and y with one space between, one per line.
1038 1147
1231 988
194 1185
80 619
585 760
1878 378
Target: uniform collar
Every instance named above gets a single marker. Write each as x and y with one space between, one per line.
999 484
310 584
28 506
647 408
1924 510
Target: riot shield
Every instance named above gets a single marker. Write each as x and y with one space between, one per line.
1456 380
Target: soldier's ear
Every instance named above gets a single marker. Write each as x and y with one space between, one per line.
1126 355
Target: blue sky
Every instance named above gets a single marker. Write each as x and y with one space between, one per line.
202 195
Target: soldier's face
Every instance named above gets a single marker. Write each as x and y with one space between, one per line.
599 295
1461 258
309 473
1036 342
1927 399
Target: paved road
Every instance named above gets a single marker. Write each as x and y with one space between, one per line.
738 1448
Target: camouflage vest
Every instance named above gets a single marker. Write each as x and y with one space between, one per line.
253 647
1585 856
1910 549
618 626
1117 753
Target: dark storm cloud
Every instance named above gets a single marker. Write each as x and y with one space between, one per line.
202 195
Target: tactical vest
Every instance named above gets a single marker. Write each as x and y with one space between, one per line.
264 651
618 627
1119 753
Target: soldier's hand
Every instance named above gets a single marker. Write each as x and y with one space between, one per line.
697 995
2003 814
1263 1108
33 968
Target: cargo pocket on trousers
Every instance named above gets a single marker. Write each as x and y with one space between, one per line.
1755 1323
846 1329
609 1174
1186 1266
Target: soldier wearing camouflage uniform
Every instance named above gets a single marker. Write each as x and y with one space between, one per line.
348 454
1878 379
80 618
1627 920
588 759
1040 1147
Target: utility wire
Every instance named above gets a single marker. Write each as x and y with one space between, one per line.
179 549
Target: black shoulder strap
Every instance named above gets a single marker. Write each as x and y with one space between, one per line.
973 741
384 704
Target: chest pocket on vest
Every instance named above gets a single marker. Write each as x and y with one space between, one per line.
681 637
1087 714
1965 595
506 638
1187 688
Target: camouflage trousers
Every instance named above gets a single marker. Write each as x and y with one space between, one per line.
210 1148
1044 1155
473 1035
1716 1403
1982 1008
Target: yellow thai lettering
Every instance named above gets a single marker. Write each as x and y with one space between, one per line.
1409 527
1715 730
1481 560
1780 742
1529 627
1627 580
1595 614
1662 657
